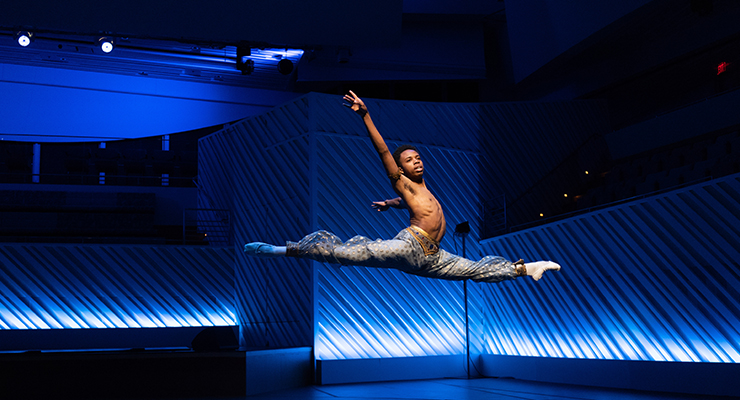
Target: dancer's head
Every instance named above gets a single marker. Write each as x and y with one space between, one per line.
409 162
397 153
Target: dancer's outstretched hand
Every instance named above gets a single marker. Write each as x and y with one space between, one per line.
355 103
537 268
381 205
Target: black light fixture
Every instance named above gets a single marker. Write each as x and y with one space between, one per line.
285 66
243 62
106 44
24 38
462 228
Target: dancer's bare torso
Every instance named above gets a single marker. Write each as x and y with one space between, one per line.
426 213
424 209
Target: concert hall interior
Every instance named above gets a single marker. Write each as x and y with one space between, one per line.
142 144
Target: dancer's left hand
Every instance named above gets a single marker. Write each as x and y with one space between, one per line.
355 103
381 205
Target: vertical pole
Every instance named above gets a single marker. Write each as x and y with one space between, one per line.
36 166
467 324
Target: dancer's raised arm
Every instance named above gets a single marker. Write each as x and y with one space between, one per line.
358 106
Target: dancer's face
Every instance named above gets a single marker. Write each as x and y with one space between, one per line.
411 164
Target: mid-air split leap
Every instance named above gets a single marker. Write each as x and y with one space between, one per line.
414 250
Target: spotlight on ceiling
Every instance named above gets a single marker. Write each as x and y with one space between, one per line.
243 62
24 38
106 44
285 66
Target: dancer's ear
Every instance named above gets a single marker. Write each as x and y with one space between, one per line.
400 170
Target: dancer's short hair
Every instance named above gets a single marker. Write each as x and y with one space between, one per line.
401 149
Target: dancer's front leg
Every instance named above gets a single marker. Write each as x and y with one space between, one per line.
259 249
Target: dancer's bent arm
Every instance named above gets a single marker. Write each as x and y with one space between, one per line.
392 203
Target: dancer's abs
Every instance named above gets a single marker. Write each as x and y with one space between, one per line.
428 215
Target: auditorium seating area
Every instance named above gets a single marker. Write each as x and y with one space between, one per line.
662 169
705 157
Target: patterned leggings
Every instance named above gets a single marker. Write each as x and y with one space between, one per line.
410 251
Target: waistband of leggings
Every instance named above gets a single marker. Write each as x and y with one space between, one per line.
428 236
429 248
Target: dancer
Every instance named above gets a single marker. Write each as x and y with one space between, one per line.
414 250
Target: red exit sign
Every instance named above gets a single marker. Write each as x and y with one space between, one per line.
722 67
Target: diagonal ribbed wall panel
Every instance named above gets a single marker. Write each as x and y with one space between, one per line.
96 286
656 279
258 168
309 165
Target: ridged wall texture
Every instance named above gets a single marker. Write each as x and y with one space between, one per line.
259 169
309 165
655 279
52 286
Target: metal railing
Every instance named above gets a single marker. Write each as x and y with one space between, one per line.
92 179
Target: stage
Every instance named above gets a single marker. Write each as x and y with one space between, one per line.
470 389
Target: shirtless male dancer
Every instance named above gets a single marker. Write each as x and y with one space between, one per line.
415 250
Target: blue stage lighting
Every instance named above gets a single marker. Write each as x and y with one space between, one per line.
24 38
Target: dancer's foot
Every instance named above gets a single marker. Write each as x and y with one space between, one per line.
259 249
537 268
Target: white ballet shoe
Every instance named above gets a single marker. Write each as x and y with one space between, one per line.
537 268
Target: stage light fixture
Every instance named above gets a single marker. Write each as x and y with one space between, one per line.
285 66
24 38
246 66
462 228
106 44
243 62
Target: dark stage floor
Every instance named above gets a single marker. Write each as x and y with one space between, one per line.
473 389
148 375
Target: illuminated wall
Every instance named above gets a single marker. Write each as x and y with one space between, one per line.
654 279
58 286
264 180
